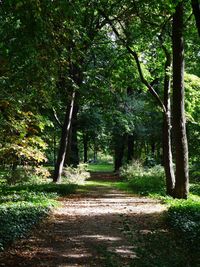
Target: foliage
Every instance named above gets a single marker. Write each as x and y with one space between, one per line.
184 217
76 175
20 136
195 173
23 206
17 219
192 102
26 174
144 181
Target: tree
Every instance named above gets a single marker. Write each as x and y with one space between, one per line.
196 12
179 129
164 106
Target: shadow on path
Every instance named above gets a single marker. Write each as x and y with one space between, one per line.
101 227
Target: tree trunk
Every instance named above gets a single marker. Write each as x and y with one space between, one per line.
85 148
181 148
130 147
72 153
69 147
54 147
64 141
167 148
119 151
196 12
153 149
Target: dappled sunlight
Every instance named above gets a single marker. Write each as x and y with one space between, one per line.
124 251
100 237
88 228
110 204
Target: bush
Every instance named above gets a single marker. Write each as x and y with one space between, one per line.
76 175
184 216
16 219
23 206
27 174
144 180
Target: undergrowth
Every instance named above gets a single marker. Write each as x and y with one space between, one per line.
23 206
144 181
183 216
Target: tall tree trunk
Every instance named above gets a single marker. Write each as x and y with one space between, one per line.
153 149
64 141
69 147
95 150
85 148
119 151
167 148
72 153
130 137
181 148
196 12
130 148
54 147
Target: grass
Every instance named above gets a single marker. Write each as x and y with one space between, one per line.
23 206
100 167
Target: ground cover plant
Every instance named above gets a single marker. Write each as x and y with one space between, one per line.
183 216
24 205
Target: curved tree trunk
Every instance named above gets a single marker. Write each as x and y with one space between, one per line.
180 138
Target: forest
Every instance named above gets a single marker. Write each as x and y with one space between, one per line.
98 96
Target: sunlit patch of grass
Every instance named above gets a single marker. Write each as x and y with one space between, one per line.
99 183
100 167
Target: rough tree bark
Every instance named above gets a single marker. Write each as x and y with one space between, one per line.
179 129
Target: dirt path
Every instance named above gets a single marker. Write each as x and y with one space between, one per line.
91 228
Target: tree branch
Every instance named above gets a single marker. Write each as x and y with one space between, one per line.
56 118
135 56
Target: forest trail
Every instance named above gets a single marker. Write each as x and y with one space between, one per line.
98 226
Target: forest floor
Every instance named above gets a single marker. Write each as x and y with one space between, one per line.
100 226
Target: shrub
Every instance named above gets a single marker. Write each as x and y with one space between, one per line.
17 219
27 174
22 206
128 171
76 175
144 180
184 216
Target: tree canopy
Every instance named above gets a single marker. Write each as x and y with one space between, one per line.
79 77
